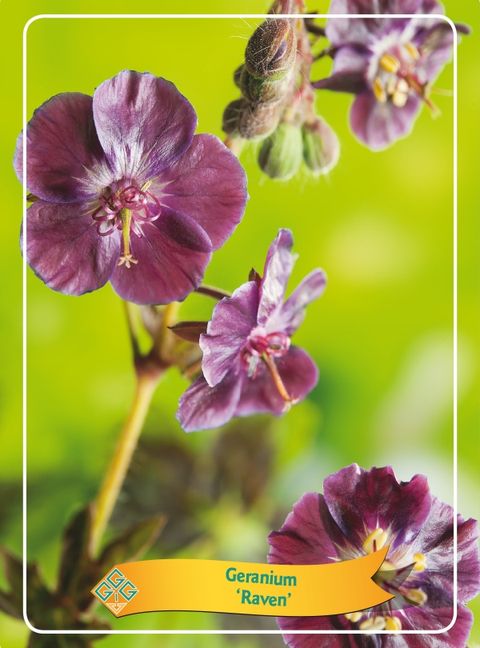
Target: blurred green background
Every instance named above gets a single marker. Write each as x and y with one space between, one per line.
380 225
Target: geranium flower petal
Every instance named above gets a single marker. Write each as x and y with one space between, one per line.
349 71
431 618
61 144
380 124
232 321
435 538
276 273
309 535
208 184
203 407
172 256
326 623
359 500
299 375
292 312
143 122
66 251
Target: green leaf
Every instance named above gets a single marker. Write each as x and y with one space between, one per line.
75 557
132 544
9 605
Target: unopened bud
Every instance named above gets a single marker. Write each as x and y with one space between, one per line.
321 148
232 114
263 90
271 51
257 121
237 76
280 155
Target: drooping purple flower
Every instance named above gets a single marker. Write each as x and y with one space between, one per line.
249 365
388 63
363 511
124 191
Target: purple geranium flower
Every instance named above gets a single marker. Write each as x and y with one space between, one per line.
388 63
125 192
363 511
249 365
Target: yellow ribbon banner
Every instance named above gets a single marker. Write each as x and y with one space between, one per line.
242 587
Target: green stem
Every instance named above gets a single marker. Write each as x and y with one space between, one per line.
117 471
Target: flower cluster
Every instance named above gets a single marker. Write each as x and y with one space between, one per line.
249 365
277 103
363 511
124 191
388 63
388 60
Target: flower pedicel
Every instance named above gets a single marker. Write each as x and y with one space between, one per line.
363 511
124 191
249 365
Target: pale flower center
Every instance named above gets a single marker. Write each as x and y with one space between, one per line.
390 570
396 76
126 207
266 347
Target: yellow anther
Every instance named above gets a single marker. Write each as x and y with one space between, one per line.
387 566
412 51
400 99
393 623
379 91
390 63
375 541
420 562
374 623
416 596
354 617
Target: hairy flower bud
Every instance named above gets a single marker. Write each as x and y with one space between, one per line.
232 114
263 90
271 51
281 154
321 148
259 120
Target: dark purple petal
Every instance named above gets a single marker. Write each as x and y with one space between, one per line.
61 144
292 312
428 618
436 46
143 122
299 375
360 501
349 72
277 271
435 540
66 251
308 536
232 321
172 256
380 124
203 407
208 184
326 623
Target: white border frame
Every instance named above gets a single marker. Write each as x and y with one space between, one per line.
39 631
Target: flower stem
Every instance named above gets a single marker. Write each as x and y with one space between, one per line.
235 144
213 292
115 476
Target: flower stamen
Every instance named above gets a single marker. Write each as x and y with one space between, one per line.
375 541
373 623
127 258
416 596
393 623
277 379
390 63
420 562
354 617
